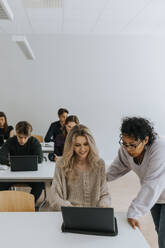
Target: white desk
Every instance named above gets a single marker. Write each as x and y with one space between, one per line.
45 173
40 230
47 148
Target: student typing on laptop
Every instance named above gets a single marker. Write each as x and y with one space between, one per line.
79 178
22 144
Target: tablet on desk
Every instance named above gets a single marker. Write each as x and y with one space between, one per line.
24 163
89 220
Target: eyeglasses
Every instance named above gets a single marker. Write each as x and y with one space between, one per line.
130 146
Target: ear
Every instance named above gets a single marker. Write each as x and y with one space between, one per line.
146 140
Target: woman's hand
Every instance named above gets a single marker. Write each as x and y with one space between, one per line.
134 223
55 159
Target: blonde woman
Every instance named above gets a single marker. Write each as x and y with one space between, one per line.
79 178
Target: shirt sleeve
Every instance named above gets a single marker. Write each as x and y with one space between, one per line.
4 153
105 200
59 145
152 184
37 150
119 167
49 135
57 190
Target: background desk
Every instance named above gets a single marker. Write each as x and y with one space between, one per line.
40 230
45 173
47 148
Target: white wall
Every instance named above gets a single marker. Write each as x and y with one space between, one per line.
99 78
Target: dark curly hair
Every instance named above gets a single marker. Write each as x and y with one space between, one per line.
139 128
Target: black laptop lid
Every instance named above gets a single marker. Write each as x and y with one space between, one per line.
1 140
24 163
89 220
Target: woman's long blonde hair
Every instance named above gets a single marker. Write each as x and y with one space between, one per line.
68 160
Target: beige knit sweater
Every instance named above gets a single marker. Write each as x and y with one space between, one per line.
87 190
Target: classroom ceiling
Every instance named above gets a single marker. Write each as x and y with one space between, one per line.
84 17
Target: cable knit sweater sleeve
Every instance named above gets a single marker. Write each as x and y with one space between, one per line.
58 189
105 200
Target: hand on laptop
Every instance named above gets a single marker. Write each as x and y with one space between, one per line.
134 223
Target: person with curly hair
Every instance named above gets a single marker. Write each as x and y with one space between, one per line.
80 178
143 151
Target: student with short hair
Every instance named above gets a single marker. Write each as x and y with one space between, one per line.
22 144
80 178
5 130
70 122
56 127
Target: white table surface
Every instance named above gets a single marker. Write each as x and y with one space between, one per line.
47 147
45 173
43 230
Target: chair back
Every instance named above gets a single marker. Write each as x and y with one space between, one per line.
39 138
16 201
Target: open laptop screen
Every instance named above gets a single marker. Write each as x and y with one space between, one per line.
24 163
98 221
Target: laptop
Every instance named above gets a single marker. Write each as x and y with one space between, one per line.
89 220
1 140
24 163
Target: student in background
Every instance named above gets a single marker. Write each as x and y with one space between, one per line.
56 127
70 122
80 178
5 130
22 144
143 152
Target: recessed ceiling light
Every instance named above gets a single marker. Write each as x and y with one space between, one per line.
43 3
24 46
5 11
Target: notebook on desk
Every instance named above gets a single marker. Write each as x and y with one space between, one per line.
24 163
94 221
1 140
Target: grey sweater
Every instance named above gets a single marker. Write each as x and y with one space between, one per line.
151 173
89 189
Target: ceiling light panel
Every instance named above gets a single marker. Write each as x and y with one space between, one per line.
24 46
43 3
5 11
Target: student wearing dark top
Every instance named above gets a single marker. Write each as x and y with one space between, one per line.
22 144
70 122
5 130
56 127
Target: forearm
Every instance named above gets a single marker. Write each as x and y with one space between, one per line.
116 171
49 135
144 201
